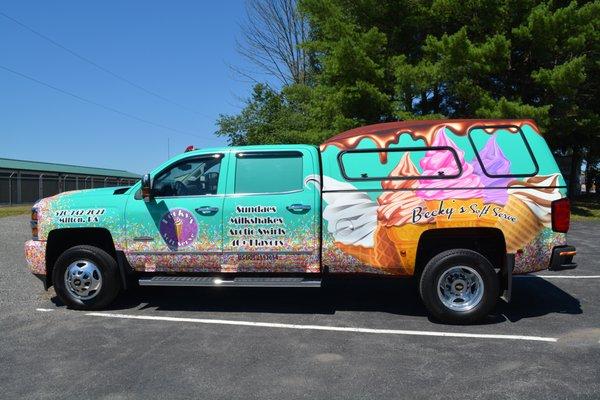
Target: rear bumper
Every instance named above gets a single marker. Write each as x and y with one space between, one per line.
562 258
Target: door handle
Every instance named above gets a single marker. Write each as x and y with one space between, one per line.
207 210
298 207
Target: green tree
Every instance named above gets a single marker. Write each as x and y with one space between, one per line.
272 117
560 46
382 60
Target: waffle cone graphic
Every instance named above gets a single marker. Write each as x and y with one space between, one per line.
489 220
521 232
467 219
178 228
406 240
382 255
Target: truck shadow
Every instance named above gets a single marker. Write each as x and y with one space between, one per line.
532 297
337 295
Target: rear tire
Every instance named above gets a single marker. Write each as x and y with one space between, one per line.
459 286
86 278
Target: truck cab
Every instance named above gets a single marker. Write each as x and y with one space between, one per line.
227 210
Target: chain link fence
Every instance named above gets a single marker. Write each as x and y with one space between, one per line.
17 187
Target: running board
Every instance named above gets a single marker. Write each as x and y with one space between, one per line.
233 282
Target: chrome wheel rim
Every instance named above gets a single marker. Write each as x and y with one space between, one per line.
83 279
460 288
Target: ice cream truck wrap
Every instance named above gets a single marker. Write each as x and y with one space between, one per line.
460 205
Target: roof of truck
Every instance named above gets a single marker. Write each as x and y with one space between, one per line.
386 133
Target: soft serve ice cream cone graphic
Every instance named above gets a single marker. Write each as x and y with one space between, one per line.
395 212
461 193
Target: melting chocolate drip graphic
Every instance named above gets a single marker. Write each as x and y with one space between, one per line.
389 133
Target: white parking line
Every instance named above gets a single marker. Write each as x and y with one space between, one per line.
44 309
323 327
559 276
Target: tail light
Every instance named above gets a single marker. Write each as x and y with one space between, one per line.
34 223
561 215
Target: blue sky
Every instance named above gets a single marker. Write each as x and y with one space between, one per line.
180 50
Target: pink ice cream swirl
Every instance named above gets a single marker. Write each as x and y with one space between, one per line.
441 162
495 163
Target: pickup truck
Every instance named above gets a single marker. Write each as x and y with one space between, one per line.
459 205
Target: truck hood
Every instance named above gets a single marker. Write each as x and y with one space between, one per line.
89 208
84 196
91 194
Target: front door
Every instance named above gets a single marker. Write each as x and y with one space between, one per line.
270 212
180 229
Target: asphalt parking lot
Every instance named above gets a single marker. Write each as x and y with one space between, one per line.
354 339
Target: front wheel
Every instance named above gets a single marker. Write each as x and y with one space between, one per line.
86 278
459 286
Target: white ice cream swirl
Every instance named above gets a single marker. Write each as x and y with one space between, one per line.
351 215
537 193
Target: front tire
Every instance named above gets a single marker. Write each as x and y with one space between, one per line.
86 278
459 286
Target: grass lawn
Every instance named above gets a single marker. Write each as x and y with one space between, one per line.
14 210
585 208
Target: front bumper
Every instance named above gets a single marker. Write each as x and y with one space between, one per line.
562 258
35 254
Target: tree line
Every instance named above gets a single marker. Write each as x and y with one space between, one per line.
325 66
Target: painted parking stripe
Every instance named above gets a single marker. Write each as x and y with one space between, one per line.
323 327
559 276
44 309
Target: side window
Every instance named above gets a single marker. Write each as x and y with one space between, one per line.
503 153
367 165
268 172
190 177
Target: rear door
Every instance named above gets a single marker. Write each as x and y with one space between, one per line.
270 215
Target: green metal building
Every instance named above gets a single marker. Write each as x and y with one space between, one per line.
24 182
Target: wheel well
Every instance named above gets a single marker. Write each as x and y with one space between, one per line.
486 241
60 240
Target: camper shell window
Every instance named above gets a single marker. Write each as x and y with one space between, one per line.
365 164
522 162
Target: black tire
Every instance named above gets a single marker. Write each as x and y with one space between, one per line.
445 261
109 272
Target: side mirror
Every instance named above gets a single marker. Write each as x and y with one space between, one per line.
147 188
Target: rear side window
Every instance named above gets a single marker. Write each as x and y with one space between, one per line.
268 172
503 153
366 164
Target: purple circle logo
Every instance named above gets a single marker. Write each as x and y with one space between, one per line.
178 228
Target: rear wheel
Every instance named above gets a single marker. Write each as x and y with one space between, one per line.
459 286
86 278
